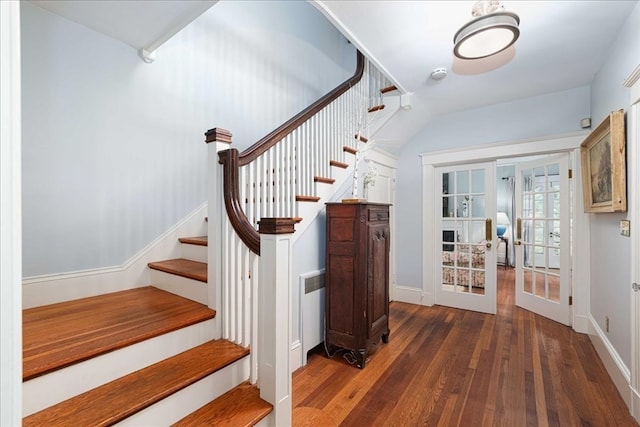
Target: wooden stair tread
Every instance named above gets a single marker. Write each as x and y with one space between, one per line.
362 138
59 335
323 179
200 240
195 270
349 150
300 198
388 89
338 164
241 406
123 397
376 108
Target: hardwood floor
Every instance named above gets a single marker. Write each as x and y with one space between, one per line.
450 367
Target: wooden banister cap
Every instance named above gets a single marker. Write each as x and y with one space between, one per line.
217 135
277 225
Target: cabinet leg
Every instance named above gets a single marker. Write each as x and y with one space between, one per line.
385 338
361 358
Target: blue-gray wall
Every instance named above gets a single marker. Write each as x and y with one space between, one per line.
553 114
611 252
113 148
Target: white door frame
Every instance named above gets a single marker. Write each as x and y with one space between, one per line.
633 169
10 216
580 244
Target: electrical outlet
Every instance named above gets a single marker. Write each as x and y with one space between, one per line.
606 323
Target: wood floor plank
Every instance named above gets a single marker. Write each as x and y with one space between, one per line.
449 367
59 335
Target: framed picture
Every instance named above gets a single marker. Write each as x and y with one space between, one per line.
604 166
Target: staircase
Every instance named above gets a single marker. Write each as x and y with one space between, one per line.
158 355
144 356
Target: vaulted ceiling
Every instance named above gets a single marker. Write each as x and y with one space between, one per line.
562 45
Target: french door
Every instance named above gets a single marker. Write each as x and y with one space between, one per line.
542 237
465 255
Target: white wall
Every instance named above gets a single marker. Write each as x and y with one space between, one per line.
611 252
552 114
113 148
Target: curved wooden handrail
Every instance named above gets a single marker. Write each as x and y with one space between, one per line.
239 221
232 160
253 152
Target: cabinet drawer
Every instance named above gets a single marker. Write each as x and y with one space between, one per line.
381 214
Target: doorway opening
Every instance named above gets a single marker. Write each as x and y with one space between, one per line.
540 240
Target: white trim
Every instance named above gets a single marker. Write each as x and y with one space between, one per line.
529 147
611 360
54 288
581 238
296 355
10 215
412 296
633 170
502 150
633 81
331 17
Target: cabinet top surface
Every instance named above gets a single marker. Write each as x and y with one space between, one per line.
358 204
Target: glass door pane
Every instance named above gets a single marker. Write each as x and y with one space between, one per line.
465 273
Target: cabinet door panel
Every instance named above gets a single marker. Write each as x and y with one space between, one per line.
378 274
341 293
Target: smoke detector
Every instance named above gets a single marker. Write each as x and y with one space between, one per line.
439 73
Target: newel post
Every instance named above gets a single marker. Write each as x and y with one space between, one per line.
217 139
274 326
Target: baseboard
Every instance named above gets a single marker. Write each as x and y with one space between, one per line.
635 405
412 296
51 289
612 361
581 324
295 359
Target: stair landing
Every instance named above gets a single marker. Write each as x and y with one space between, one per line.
59 335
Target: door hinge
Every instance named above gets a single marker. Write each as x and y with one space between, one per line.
570 299
570 173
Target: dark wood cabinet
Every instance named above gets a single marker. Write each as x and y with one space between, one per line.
357 277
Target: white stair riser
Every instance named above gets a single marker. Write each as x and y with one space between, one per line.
185 287
177 406
49 389
194 252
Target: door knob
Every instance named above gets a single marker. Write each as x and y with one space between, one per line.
518 242
635 286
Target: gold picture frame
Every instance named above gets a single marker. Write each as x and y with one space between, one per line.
604 166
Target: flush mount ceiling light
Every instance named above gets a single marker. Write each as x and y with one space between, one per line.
491 30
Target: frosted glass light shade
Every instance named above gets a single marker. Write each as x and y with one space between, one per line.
486 35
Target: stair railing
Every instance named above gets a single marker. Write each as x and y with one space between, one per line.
271 179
